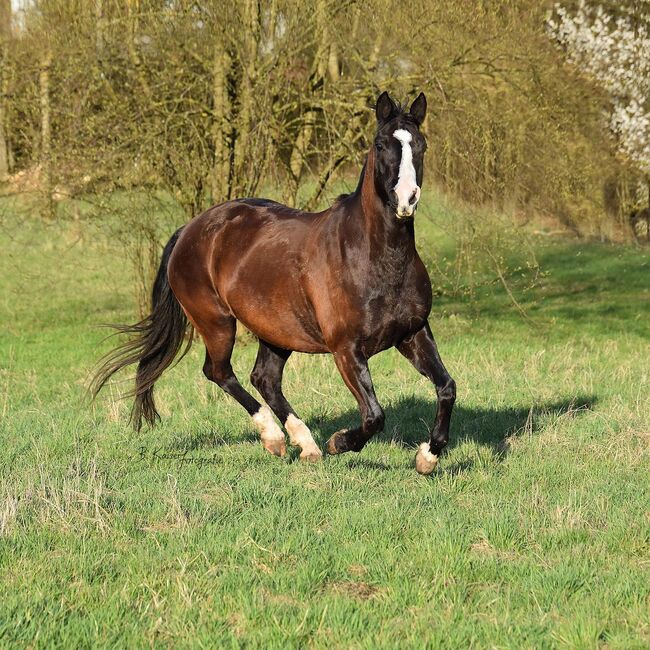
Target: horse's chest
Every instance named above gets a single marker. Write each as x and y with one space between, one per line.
391 314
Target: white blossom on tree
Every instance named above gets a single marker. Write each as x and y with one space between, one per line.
615 51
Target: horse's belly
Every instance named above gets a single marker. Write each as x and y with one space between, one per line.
278 322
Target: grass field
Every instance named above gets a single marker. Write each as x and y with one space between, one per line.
533 533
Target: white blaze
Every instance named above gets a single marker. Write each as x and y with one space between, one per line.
406 181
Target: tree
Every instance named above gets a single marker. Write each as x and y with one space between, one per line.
612 45
203 101
5 36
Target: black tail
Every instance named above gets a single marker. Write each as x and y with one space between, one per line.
154 344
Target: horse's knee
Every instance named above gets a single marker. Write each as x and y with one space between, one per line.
374 423
257 379
214 374
220 374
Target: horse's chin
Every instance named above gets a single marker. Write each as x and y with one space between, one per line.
405 217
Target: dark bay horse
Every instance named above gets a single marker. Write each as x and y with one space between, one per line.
347 281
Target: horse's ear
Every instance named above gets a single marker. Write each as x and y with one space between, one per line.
386 108
419 108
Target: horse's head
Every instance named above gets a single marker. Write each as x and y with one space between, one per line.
399 154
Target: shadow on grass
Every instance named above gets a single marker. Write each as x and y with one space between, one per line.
210 439
408 421
407 424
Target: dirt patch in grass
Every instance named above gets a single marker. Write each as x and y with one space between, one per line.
354 589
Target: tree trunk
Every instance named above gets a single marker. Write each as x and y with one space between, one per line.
333 63
242 152
303 140
221 176
133 10
46 135
353 133
100 26
5 35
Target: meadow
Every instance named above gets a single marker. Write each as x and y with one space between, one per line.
534 532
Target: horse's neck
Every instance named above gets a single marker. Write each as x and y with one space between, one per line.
387 238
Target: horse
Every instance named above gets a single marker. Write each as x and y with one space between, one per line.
346 281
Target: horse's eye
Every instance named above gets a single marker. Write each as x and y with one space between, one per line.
378 146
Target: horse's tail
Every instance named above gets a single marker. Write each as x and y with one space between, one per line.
154 344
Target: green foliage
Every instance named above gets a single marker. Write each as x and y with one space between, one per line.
155 110
208 101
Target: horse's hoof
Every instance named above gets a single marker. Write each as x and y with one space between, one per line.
425 461
332 448
275 447
311 456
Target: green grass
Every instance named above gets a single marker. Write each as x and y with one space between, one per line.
534 532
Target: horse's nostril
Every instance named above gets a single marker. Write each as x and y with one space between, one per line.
414 198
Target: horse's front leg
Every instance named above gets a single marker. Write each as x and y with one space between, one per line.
421 350
353 367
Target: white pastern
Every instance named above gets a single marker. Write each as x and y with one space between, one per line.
425 461
300 435
407 183
270 433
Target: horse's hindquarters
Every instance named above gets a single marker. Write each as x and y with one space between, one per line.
248 261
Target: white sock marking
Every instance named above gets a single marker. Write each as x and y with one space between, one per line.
300 435
266 425
425 461
407 179
426 453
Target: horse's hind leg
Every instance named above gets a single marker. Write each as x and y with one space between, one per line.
219 337
267 379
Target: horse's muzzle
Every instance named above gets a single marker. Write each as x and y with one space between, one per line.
406 213
408 210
